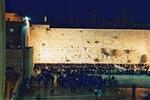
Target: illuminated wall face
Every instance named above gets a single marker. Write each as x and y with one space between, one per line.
57 45
13 17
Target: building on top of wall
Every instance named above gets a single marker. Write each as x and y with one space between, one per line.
13 17
14 24
18 55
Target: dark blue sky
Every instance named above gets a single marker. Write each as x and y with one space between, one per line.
84 13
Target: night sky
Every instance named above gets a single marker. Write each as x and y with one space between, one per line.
85 13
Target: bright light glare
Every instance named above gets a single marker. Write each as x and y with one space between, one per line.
27 18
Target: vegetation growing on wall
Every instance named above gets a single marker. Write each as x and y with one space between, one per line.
115 52
143 59
104 51
96 60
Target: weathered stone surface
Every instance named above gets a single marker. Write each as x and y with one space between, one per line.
60 45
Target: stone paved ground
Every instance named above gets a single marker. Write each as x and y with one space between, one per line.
10 83
83 94
129 80
65 94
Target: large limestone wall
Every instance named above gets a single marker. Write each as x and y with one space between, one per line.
60 45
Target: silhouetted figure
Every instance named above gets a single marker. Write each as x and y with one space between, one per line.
52 90
133 92
10 92
13 97
38 97
52 82
45 84
113 78
39 79
96 94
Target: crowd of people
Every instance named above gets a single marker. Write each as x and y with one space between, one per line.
74 78
77 77
98 68
84 76
43 77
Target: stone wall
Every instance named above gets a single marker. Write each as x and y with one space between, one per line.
20 60
14 58
62 45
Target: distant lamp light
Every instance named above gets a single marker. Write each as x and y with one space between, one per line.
26 18
45 18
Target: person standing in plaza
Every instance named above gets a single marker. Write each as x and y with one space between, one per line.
38 97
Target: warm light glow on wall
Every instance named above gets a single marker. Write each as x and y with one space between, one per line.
45 54
57 45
